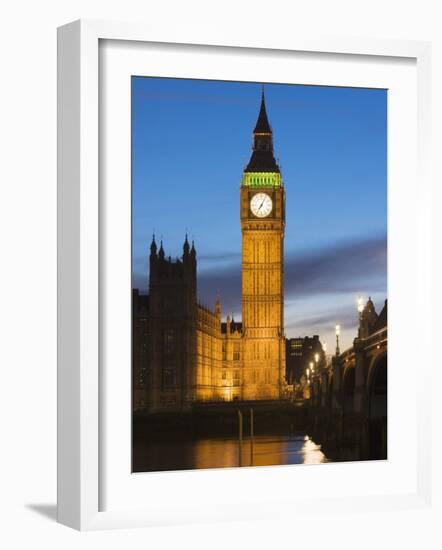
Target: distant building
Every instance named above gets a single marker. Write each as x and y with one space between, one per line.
300 352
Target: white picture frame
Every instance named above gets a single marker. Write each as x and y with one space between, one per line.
79 203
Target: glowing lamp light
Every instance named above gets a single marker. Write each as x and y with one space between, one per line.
324 347
316 357
338 332
360 304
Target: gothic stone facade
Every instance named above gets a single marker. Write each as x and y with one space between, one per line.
191 354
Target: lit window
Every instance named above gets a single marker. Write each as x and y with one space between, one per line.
169 377
236 352
236 378
169 341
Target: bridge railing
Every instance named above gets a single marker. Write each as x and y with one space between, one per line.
375 339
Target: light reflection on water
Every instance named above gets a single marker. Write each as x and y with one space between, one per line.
224 453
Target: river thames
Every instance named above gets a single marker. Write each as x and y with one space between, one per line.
265 450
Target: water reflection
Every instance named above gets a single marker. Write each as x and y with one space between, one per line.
312 453
224 453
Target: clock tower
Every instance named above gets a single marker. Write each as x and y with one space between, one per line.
262 207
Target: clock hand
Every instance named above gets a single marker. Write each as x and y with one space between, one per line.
261 204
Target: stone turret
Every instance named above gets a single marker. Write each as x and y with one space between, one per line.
228 322
186 249
153 246
218 308
161 251
367 319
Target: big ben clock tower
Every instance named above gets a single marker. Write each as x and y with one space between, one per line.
262 227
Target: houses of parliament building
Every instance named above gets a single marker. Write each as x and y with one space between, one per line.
184 352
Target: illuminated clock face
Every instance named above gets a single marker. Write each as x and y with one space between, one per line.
261 205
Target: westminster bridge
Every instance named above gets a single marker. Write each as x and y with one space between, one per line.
348 400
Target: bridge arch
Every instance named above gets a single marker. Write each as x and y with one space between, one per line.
329 401
317 386
324 390
348 388
377 406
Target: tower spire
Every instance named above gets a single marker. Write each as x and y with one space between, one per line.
186 247
262 159
161 251
262 124
153 246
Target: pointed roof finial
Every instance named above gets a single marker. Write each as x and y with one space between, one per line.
153 245
218 305
262 124
161 251
186 246
262 159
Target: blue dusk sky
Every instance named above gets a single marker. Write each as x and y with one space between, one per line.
191 140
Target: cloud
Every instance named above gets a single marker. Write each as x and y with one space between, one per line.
351 266
346 317
341 267
225 282
320 285
219 257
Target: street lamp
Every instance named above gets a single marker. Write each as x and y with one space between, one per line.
360 307
338 332
312 367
